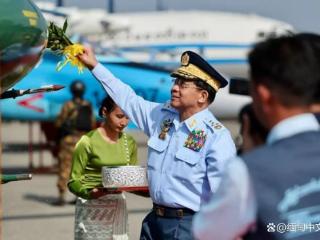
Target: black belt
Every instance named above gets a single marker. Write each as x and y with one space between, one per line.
163 211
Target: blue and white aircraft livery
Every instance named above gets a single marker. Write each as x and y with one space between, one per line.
148 46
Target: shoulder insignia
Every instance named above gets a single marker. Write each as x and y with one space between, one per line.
214 124
217 125
193 123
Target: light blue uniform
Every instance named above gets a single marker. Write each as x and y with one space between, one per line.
180 173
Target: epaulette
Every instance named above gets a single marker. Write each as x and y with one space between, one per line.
214 124
167 106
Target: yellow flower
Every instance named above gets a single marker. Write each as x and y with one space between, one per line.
70 53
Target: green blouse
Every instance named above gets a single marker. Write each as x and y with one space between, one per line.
91 153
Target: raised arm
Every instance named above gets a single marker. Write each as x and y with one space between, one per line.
140 111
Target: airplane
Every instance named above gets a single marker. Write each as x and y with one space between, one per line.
150 81
159 38
23 34
166 33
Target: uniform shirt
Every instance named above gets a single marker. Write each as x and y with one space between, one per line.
235 200
185 168
91 153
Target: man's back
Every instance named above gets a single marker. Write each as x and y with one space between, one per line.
75 116
286 180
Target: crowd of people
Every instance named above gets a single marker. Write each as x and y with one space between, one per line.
200 186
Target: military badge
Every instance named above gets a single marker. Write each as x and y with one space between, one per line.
215 125
193 122
195 140
165 127
185 59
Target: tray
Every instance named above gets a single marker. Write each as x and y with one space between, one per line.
127 189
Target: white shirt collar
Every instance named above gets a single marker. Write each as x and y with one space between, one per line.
293 125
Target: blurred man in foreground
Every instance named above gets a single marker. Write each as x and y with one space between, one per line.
285 77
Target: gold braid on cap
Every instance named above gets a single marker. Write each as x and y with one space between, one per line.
193 72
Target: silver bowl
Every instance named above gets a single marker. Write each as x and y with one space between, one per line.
124 176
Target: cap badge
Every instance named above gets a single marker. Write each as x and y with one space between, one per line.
185 59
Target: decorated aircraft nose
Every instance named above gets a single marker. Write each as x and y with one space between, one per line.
23 34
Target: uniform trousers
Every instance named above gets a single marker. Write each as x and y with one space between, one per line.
66 148
156 227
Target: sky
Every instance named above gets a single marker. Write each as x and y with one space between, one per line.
304 15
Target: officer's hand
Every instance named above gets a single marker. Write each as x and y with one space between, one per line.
88 58
96 193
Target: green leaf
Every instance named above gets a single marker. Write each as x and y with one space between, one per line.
65 25
57 39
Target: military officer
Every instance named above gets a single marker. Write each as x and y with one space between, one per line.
187 147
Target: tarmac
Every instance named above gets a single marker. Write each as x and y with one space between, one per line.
27 210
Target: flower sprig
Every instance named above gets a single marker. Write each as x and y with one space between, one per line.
57 39
60 44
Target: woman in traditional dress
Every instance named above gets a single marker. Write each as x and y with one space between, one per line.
100 214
